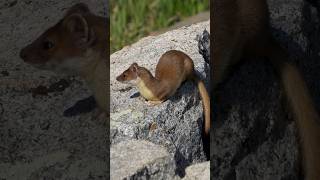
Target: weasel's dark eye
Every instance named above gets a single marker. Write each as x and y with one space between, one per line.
48 45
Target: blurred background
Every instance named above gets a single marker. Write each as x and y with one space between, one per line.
133 19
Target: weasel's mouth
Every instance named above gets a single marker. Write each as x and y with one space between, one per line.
34 60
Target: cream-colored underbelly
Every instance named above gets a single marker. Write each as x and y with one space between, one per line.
146 92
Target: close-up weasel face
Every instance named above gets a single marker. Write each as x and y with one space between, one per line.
130 75
64 47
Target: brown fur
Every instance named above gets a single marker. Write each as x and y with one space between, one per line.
76 45
174 67
241 29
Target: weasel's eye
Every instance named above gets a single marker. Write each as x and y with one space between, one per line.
48 45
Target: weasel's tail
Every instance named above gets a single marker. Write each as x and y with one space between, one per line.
206 103
305 114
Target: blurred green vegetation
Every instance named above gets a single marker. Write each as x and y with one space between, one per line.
133 19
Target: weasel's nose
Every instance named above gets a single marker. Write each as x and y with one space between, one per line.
23 54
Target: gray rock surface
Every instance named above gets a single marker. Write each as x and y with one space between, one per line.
254 135
138 159
37 142
200 171
175 124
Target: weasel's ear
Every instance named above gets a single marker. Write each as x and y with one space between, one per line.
78 26
134 67
79 8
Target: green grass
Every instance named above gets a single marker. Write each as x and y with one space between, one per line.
133 19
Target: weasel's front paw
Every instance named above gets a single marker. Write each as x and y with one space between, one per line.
82 106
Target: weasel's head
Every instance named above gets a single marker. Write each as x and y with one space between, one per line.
64 47
130 75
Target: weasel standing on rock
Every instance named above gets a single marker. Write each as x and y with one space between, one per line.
241 29
174 67
77 45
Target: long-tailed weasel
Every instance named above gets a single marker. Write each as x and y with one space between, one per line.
241 29
77 45
174 67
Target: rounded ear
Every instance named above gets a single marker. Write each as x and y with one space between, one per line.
79 8
77 25
134 67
